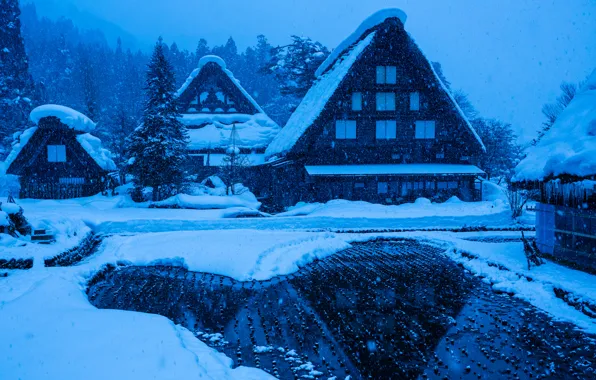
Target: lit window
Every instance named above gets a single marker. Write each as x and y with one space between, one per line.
359 185
441 185
71 180
414 101
385 101
386 75
382 188
425 129
440 155
56 153
386 129
345 129
452 185
357 101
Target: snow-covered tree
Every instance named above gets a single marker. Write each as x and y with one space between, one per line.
502 151
294 65
16 84
157 148
551 111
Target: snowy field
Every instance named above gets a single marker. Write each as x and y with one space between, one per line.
50 330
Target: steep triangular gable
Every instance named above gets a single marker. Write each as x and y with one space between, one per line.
33 141
212 88
335 69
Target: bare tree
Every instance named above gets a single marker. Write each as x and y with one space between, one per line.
518 198
234 166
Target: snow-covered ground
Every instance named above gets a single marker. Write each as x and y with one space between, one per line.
50 330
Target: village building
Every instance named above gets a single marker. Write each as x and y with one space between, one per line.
59 158
377 125
562 165
219 112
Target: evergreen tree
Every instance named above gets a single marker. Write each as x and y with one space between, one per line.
294 65
157 148
201 51
16 84
502 151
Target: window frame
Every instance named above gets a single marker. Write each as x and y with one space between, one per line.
56 153
381 98
386 74
385 126
358 96
343 125
425 125
382 185
415 101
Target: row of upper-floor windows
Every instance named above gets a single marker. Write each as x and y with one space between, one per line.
385 129
385 101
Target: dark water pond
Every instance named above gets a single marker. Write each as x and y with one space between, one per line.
384 310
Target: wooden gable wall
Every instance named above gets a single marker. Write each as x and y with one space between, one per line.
210 80
390 47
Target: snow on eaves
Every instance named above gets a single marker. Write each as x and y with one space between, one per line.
569 147
20 140
102 156
373 20
315 100
74 119
221 63
253 131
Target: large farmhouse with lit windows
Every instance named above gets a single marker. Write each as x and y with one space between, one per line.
377 125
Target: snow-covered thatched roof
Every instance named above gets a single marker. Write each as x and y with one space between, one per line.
74 119
221 63
213 130
569 147
330 75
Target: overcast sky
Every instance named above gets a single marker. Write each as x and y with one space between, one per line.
509 55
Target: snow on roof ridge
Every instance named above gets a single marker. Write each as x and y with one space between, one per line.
315 100
212 58
221 63
371 21
73 118
457 107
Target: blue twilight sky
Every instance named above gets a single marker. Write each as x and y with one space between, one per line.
509 55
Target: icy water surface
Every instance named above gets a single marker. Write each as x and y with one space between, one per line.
384 310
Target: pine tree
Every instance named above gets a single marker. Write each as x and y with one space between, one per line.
16 84
201 51
157 148
294 65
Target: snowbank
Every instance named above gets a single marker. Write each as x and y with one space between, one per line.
102 156
74 119
52 332
420 209
315 100
569 147
373 20
203 202
241 254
